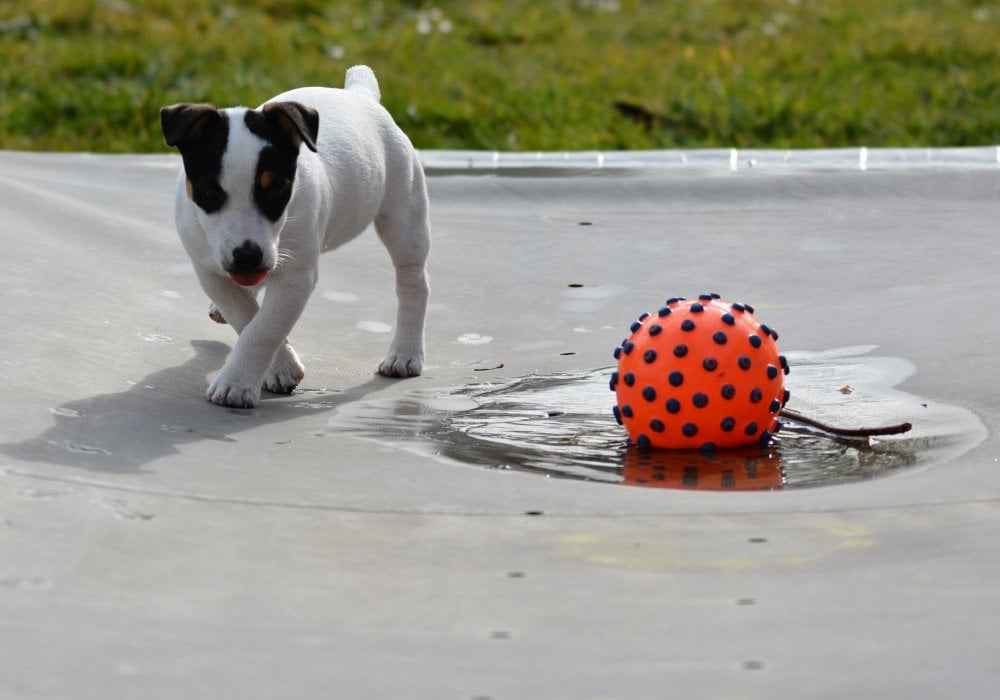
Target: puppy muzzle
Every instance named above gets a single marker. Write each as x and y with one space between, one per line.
247 266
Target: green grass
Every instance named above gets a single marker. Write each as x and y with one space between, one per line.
518 75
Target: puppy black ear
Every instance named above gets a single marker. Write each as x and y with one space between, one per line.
296 121
184 122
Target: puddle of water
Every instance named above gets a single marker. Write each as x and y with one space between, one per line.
561 426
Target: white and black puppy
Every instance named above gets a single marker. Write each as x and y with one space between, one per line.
264 191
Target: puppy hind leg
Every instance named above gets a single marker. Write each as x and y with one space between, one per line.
215 314
406 351
405 231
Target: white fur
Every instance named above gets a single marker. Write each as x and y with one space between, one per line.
365 170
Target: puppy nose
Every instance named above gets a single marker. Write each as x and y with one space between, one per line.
247 258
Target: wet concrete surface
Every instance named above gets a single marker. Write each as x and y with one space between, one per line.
154 545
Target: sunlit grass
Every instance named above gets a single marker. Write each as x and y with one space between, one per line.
518 75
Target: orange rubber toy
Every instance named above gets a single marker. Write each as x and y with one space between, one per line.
701 374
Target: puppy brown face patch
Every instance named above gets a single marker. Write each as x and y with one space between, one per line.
201 133
276 163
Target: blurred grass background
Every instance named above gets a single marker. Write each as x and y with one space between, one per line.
518 74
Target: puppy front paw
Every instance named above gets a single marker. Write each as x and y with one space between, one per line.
225 391
285 373
401 365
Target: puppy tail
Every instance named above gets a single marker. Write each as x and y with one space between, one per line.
362 79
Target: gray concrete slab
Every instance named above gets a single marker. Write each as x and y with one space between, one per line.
154 545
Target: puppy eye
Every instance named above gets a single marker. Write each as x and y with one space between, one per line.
210 197
278 189
213 194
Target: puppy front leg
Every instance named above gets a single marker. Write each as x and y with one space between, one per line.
286 370
236 306
262 346
231 303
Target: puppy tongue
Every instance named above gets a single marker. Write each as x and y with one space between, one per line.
248 279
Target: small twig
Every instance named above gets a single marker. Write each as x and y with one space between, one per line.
846 432
487 369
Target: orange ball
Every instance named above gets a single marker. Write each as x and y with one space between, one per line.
699 374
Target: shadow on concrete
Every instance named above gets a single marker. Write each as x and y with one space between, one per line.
158 416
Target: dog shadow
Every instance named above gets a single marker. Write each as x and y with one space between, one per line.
158 416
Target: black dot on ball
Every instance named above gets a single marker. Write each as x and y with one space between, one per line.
710 364
772 371
689 430
784 363
728 319
743 362
649 393
672 300
765 438
727 424
642 441
644 316
738 308
656 425
775 405
765 329
688 325
705 297
673 406
663 312
700 400
785 395
618 414
755 340
629 379
697 308
675 378
626 410
618 353
707 447
649 356
728 391
680 350
614 380
756 395
751 428
655 329
635 326
628 347
720 338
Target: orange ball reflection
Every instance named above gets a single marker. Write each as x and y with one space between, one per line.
738 469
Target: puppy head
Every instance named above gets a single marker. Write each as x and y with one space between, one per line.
239 166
